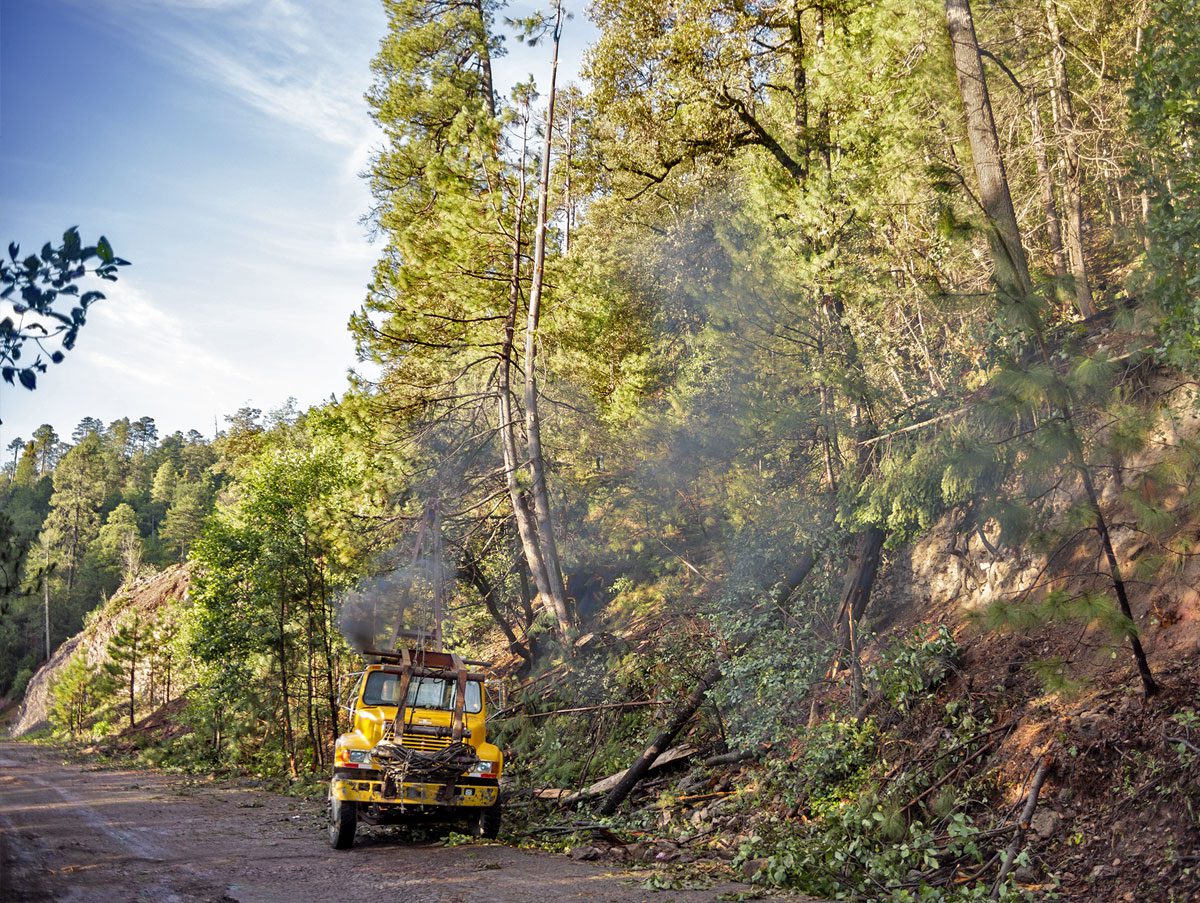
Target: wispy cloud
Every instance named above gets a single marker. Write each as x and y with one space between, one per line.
285 59
150 345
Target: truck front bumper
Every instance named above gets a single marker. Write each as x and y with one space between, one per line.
468 792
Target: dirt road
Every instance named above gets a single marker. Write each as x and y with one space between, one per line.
72 834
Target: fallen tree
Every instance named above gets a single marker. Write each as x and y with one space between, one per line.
663 741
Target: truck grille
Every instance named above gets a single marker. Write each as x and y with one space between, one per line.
421 737
423 743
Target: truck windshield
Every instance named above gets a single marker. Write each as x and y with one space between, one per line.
383 688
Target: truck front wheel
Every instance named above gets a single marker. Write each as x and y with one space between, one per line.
486 822
343 820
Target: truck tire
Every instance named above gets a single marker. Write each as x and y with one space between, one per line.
343 821
486 823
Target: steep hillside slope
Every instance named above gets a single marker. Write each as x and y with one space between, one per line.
146 596
973 683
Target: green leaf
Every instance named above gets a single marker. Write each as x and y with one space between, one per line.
104 250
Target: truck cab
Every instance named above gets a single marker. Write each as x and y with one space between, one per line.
417 747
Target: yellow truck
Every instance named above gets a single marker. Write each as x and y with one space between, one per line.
417 747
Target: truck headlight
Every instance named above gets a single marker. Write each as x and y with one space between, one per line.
484 768
358 756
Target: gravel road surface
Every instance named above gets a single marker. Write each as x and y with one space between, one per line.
72 833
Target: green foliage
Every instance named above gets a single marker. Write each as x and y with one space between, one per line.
860 836
909 667
1058 607
36 287
120 542
125 654
572 751
74 696
774 328
81 519
266 569
1164 114
20 682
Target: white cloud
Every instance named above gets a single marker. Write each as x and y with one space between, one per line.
287 60
146 343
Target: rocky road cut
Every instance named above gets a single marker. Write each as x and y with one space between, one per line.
70 833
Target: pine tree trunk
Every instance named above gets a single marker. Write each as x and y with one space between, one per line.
46 601
867 542
1100 523
526 598
1072 184
289 737
133 659
526 530
568 200
539 492
327 648
485 60
824 142
310 694
799 86
1149 685
74 551
1144 194
1011 269
473 571
1053 222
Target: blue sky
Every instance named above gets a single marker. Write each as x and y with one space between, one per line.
218 144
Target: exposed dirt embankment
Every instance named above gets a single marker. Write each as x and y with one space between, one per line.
146 595
1115 819
955 571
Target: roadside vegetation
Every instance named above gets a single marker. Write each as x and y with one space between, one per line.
814 391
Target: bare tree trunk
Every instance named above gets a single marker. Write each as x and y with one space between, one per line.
1010 854
289 737
860 579
799 86
868 542
1053 223
856 674
526 601
1011 269
310 694
526 530
1149 685
485 59
663 741
568 201
539 492
46 600
1100 524
133 663
327 648
71 560
1072 184
823 137
1144 194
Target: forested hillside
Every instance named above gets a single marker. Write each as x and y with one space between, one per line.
80 517
811 389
